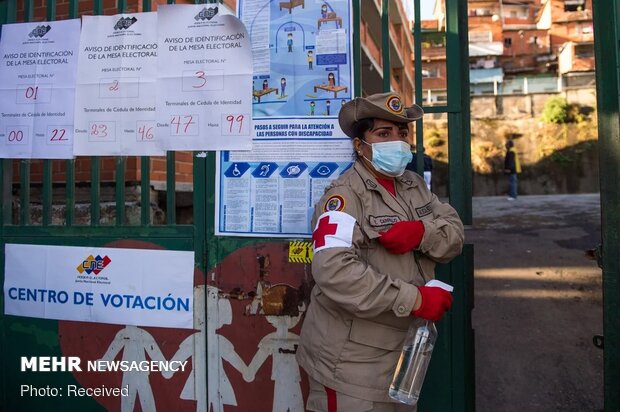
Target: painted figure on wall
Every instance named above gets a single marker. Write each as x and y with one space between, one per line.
281 304
134 342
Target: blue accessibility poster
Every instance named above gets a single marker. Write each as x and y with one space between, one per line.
302 75
301 50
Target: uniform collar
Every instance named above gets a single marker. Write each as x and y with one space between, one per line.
400 183
397 203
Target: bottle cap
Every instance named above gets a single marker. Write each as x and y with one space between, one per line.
439 284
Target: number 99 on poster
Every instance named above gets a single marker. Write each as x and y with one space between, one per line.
235 124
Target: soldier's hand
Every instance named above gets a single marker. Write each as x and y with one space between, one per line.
403 236
434 303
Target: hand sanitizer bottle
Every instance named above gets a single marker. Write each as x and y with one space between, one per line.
413 363
415 357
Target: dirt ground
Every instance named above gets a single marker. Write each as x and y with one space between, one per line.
538 303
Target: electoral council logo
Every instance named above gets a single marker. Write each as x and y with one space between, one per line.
93 265
206 13
125 23
39 31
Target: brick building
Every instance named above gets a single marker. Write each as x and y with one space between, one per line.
549 42
401 48
572 39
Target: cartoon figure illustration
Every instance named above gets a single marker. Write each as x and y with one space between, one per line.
331 79
310 56
289 42
283 310
134 341
312 104
328 16
220 390
282 86
330 86
264 91
327 105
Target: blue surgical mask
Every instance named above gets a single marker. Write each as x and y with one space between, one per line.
390 158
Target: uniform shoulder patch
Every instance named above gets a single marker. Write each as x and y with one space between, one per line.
334 203
424 210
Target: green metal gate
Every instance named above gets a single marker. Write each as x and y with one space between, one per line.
607 50
450 384
457 351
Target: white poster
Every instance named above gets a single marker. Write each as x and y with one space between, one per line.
104 285
115 95
204 99
38 63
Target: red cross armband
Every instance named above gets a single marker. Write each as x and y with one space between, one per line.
333 229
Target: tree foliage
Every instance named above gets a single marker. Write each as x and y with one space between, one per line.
556 111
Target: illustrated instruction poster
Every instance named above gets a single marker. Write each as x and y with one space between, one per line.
116 86
204 99
303 73
38 63
104 285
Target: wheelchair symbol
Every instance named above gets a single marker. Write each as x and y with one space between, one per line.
236 171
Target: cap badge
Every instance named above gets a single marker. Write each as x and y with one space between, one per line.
394 104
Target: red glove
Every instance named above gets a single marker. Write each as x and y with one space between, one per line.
403 236
435 302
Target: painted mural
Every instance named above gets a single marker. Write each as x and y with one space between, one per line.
240 355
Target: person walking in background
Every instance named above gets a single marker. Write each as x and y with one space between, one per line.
512 167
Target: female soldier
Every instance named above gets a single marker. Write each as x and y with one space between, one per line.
378 232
